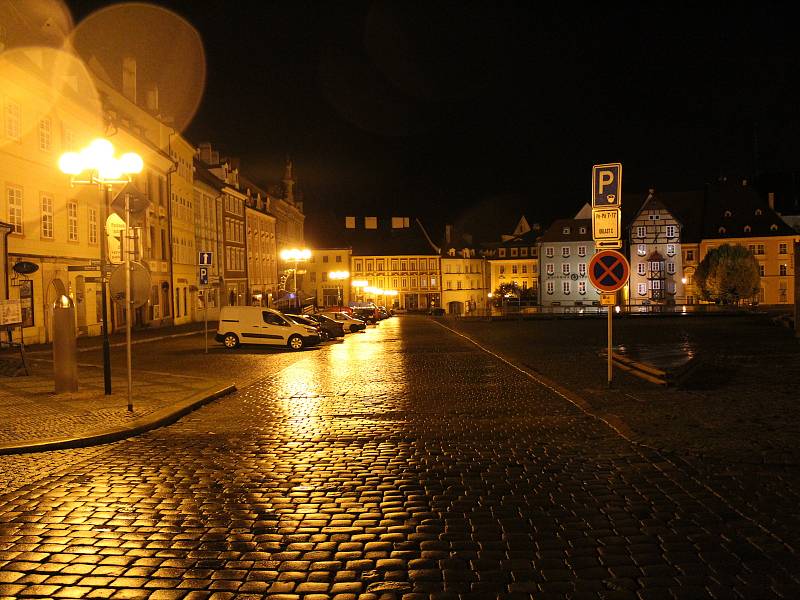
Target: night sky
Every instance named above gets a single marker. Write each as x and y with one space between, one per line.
432 109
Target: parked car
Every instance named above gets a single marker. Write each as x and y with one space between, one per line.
384 312
351 324
259 325
304 320
369 315
332 329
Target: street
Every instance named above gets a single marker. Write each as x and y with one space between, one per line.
403 462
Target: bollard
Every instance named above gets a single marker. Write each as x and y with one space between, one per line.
65 347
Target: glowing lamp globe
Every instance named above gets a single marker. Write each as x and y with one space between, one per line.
70 163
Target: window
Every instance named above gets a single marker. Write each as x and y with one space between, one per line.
582 230
338 259
565 287
92 225
357 266
565 251
272 319
759 212
581 250
414 281
514 269
324 258
502 253
760 249
395 265
14 198
551 287
458 284
378 265
761 271
514 252
783 248
642 289
641 249
502 269
689 255
45 134
565 230
523 252
72 221
405 283
581 287
403 265
670 249
582 269
313 276
13 120
671 268
46 203
551 269
782 270
394 282
565 268
747 229
656 284
524 268
433 282
672 231
423 283
640 269
641 231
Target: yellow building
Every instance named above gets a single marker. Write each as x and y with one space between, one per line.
325 276
515 259
181 218
465 280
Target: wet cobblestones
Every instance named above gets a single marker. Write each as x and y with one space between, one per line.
403 463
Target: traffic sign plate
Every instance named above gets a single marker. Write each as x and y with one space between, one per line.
609 271
203 275
606 223
607 185
205 259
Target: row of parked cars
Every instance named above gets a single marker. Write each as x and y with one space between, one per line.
258 325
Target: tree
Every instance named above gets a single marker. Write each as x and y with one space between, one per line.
506 290
727 274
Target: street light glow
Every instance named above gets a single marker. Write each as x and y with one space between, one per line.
359 283
295 254
337 275
98 159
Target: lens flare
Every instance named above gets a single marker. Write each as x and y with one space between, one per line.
44 23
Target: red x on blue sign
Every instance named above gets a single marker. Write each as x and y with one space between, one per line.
609 271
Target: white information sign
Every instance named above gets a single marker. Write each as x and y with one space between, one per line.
606 223
115 230
10 312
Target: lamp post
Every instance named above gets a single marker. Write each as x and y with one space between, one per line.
338 276
359 284
295 255
96 165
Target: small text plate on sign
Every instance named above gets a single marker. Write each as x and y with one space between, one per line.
607 185
606 223
205 259
609 271
608 299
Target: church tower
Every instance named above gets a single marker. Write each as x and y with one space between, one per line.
288 181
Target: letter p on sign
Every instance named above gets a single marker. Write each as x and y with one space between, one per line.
607 184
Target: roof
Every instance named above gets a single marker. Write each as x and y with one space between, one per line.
329 231
202 173
732 207
686 207
555 233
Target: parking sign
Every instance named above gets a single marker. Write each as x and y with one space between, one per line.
205 259
607 185
203 276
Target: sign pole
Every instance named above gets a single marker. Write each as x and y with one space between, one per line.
205 318
104 203
610 337
128 299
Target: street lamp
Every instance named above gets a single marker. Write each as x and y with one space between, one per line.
295 255
338 276
359 284
96 165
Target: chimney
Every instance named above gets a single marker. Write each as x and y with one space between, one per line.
448 233
771 200
204 152
350 222
129 78
152 99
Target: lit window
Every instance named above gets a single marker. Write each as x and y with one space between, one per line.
581 250
640 269
565 251
670 249
92 225
514 251
671 268
582 269
565 230
672 231
514 269
523 251
642 289
551 269
502 269
581 287
565 268
13 120
524 268
45 134
641 249
46 203
641 231
14 198
782 248
782 270
72 221
551 288
502 253
549 252
565 287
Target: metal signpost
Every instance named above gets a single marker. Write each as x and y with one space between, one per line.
608 270
205 260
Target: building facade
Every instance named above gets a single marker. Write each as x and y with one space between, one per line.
182 231
328 290
262 269
565 250
465 280
515 260
207 205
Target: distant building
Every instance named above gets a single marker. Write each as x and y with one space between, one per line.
515 259
465 275
565 250
326 289
207 189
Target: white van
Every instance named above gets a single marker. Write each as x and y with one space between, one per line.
259 325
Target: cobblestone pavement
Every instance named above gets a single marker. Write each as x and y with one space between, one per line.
403 463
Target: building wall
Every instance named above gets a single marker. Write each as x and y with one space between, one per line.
329 292
235 265
648 235
564 277
261 256
184 250
775 260
415 278
465 284
691 259
207 205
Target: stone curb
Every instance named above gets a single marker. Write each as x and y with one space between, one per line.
159 418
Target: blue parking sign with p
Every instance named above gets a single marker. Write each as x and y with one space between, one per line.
203 275
607 185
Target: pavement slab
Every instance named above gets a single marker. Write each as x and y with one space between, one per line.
404 463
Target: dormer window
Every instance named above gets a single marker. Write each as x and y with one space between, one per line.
728 213
721 230
502 253
451 252
759 212
582 230
565 230
747 229
773 227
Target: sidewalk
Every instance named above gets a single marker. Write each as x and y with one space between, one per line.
36 419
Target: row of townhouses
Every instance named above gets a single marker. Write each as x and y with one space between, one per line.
198 201
667 235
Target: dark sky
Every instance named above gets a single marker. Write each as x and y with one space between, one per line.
430 108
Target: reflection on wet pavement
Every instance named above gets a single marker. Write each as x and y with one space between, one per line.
401 463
